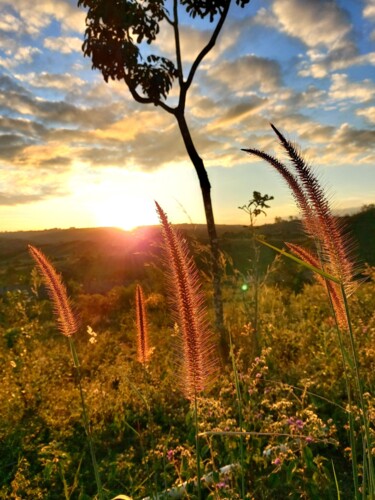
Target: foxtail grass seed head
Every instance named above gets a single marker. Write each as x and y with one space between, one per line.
333 248
143 349
195 353
57 293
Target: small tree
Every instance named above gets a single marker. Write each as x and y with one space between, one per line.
256 206
115 32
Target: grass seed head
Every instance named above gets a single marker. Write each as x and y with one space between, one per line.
196 357
57 293
143 349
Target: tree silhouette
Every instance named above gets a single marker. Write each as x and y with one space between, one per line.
116 31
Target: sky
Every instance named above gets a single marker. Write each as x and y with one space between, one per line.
76 151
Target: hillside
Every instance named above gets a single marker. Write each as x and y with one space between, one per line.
101 258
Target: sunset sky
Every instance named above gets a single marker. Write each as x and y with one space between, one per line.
76 151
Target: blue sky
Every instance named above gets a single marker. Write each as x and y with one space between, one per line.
76 151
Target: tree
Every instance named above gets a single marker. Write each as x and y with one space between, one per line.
256 206
115 34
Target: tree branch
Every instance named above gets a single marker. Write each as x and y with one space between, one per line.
146 100
208 47
177 42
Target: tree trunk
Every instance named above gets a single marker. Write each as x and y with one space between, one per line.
211 229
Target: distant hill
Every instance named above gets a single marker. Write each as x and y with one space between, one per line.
104 257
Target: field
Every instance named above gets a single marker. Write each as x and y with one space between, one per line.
277 418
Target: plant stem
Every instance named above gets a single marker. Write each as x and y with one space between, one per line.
86 420
370 464
197 446
239 403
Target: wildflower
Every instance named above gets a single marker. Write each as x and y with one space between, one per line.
221 485
309 439
277 461
170 455
299 424
92 334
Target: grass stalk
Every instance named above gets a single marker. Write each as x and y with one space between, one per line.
239 405
345 362
197 452
368 445
86 423
68 326
336 482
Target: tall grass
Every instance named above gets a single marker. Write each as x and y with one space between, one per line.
333 254
68 326
195 352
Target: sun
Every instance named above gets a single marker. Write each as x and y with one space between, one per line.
125 212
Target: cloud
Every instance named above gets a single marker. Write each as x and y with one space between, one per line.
19 56
369 13
369 10
32 20
65 82
367 113
17 100
63 44
326 30
10 23
9 198
319 64
247 73
343 90
234 113
314 22
350 145
135 123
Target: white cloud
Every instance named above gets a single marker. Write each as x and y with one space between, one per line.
367 113
315 22
320 64
326 29
65 82
248 73
356 146
10 23
20 56
34 18
369 9
342 89
63 44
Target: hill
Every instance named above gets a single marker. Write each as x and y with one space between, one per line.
100 258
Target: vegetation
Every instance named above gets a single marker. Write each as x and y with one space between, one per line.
294 420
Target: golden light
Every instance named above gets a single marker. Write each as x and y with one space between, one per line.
126 212
114 197
124 198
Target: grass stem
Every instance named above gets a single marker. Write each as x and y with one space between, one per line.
86 420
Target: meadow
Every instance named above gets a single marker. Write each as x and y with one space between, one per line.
276 421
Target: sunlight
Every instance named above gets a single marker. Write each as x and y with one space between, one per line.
125 212
114 197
